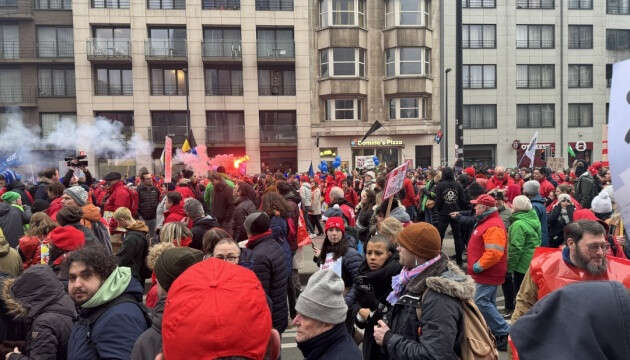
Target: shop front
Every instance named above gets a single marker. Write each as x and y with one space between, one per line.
387 150
480 155
544 151
583 150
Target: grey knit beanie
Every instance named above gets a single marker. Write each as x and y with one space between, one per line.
78 194
322 299
531 187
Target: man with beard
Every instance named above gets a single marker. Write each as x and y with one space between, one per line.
583 259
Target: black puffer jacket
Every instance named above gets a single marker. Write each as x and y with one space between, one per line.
446 285
270 265
149 344
334 344
41 299
134 251
148 200
12 222
557 223
200 226
244 207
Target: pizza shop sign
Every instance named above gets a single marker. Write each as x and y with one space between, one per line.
386 142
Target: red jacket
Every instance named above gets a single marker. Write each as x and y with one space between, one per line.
411 198
119 196
54 208
351 196
488 246
549 271
30 248
494 182
546 188
174 214
185 191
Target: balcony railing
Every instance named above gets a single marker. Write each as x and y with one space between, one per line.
580 44
51 4
165 48
225 91
276 90
16 95
274 5
168 90
166 5
535 84
113 90
278 134
177 133
276 49
535 4
107 48
226 134
40 49
221 4
534 44
223 49
110 4
479 44
480 84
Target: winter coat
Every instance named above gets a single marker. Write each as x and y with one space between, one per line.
524 236
134 250
437 293
53 208
505 213
494 182
118 196
149 344
175 213
148 200
271 268
351 197
316 202
585 190
350 264
113 334
12 222
40 191
10 260
306 194
246 259
538 203
557 224
334 344
546 188
293 200
185 192
450 197
244 207
199 228
41 300
488 247
223 205
30 250
411 198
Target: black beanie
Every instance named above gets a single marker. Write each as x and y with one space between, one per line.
256 223
173 262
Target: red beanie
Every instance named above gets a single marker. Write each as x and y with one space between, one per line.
470 171
224 305
335 222
67 238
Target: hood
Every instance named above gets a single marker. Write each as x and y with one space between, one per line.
529 217
4 245
91 212
175 209
16 185
454 283
400 214
207 221
138 226
119 282
4 208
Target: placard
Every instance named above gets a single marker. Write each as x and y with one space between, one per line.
619 136
556 164
395 180
364 162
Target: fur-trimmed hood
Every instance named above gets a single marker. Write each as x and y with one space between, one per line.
443 277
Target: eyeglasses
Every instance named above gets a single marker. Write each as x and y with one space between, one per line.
230 258
594 247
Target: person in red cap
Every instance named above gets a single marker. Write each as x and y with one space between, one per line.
487 264
63 240
470 171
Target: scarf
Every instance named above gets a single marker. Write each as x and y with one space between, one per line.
400 281
111 288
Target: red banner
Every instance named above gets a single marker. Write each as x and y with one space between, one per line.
168 158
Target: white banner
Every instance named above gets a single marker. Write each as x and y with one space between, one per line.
619 136
364 162
531 149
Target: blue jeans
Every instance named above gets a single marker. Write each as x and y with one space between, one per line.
486 300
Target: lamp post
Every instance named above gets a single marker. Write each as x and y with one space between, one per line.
445 127
185 70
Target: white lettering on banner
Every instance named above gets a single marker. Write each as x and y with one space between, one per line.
580 146
395 180
538 146
364 162
331 264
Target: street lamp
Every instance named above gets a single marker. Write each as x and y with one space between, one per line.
445 128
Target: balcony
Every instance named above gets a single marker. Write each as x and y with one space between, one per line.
221 52
113 90
534 44
274 5
17 96
36 52
276 51
225 135
177 133
165 51
234 90
16 9
535 84
51 4
278 134
108 51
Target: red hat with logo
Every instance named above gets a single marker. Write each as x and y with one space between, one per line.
335 222
485 199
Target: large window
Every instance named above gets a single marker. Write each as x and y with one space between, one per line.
407 61
618 7
222 42
412 13
478 36
408 108
168 81
276 81
51 4
479 76
111 4
10 85
488 4
480 116
581 4
274 5
113 82
534 36
224 81
169 123
55 41
221 4
342 13
609 74
167 41
535 4
9 41
166 4
123 117
112 41
278 127
617 39
50 121
56 81
535 76
343 109
580 36
535 115
225 127
580 76
275 43
348 62
580 115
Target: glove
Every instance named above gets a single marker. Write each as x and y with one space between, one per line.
366 297
477 268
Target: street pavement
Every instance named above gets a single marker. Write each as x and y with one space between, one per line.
308 267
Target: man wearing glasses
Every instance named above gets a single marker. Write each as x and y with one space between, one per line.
583 259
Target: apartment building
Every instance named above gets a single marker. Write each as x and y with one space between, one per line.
37 80
375 61
534 66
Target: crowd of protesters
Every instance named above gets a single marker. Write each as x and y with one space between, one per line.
219 254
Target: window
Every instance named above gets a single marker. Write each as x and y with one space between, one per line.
111 4
534 36
618 7
277 127
581 4
9 41
580 76
342 13
488 4
51 4
167 41
111 41
408 108
50 121
112 82
349 62
479 76
274 5
276 81
275 43
407 61
343 109
580 36
580 115
224 81
535 4
407 13
8 3
55 41
222 42
166 4
169 123
535 76
479 36
535 115
56 81
480 116
221 4
10 85
168 81
225 127
123 117
617 39
609 74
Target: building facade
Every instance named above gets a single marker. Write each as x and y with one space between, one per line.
534 66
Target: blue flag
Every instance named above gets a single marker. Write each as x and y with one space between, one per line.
311 173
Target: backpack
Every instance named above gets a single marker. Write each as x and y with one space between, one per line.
102 235
124 298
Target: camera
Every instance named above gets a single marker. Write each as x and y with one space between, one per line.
76 161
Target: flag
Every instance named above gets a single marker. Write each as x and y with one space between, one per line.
438 137
531 149
311 173
570 150
186 147
377 125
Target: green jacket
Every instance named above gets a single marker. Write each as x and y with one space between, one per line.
524 236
